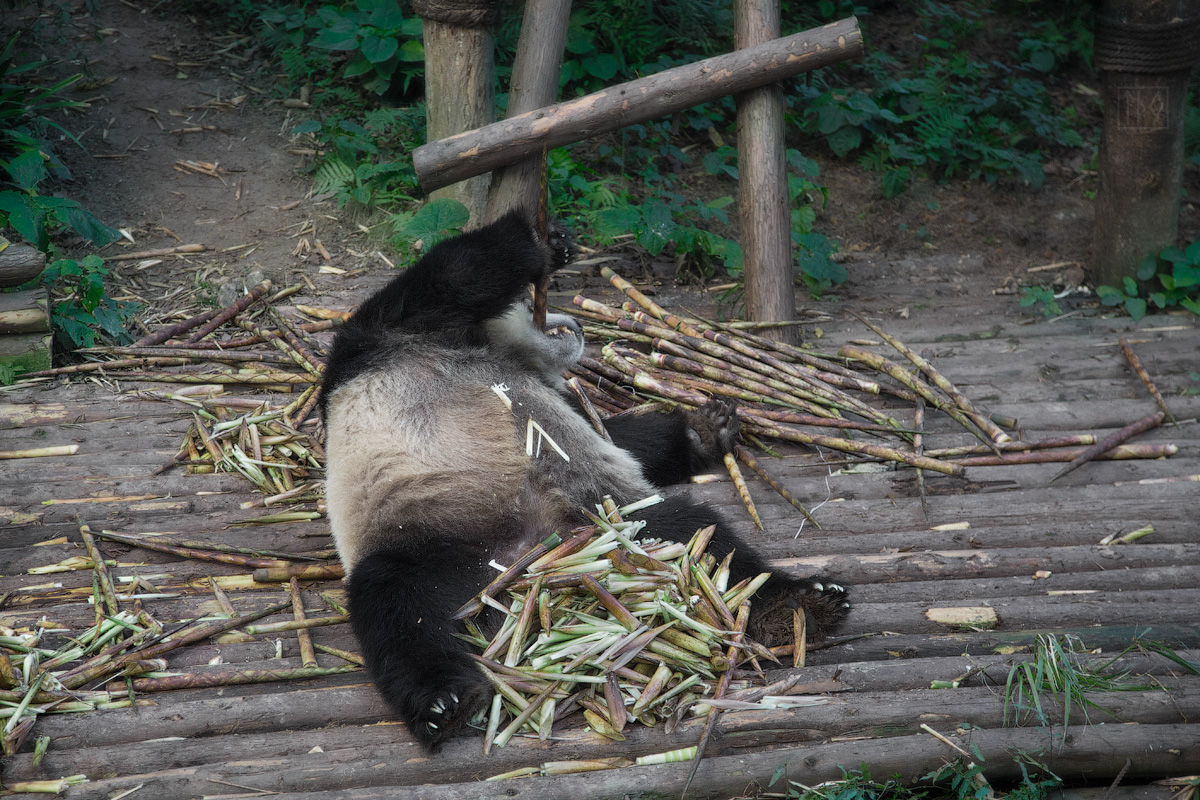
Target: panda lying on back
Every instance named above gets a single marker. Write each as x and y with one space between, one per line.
429 481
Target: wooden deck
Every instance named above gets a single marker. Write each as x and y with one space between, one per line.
1002 539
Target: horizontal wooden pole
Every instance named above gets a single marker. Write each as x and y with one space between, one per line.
465 155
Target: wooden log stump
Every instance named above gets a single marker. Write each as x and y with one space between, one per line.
445 161
20 263
25 330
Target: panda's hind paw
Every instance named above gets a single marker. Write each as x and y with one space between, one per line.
448 712
825 605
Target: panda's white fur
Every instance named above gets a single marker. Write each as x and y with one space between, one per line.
427 400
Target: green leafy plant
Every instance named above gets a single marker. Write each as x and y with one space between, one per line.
380 45
1042 297
360 164
83 312
27 162
1057 673
436 220
1168 278
943 111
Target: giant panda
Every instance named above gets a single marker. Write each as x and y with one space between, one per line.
429 482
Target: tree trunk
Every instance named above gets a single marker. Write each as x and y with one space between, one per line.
762 183
442 162
460 96
20 263
534 85
1141 153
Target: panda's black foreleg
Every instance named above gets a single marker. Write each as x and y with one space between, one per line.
400 603
674 446
824 602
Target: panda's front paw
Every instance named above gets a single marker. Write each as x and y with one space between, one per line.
825 605
562 245
448 711
712 431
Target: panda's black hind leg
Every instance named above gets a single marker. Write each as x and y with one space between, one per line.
400 603
825 605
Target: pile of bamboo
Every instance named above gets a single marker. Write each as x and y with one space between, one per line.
620 628
844 401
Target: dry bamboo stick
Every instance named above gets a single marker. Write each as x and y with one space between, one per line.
919 449
190 353
714 713
231 311
1121 452
1136 363
779 431
986 425
232 677
1112 440
1014 446
166 251
750 461
235 558
99 366
163 334
225 378
247 341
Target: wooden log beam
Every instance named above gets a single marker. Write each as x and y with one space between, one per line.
534 85
440 163
762 183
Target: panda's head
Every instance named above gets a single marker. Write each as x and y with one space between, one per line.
548 352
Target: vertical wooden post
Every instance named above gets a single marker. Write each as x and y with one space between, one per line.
460 95
762 181
534 85
1144 49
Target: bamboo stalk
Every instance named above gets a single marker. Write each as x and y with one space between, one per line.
588 409
1136 363
1121 452
166 251
1112 440
234 677
247 341
100 366
236 558
308 656
305 573
1014 446
224 378
750 461
163 334
231 311
743 490
189 353
630 291
898 372
278 342
41 452
995 434
770 428
297 624
102 575
714 713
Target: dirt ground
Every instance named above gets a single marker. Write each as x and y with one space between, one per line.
165 88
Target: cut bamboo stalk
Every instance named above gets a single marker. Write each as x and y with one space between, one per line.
308 656
739 482
1121 452
1112 440
990 428
41 452
102 575
235 558
750 461
163 334
231 311
281 574
232 677
1136 363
